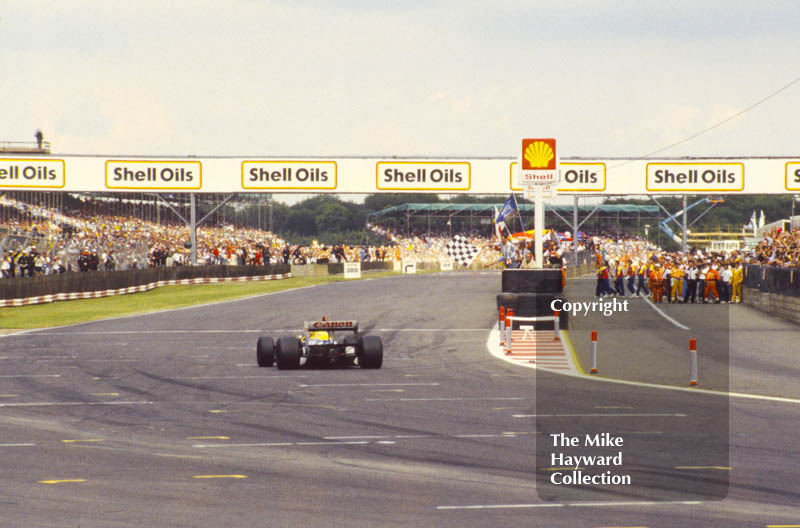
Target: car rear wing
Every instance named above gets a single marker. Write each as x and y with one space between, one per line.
330 326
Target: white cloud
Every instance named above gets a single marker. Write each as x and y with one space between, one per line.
403 78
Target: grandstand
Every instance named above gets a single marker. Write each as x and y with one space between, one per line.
452 217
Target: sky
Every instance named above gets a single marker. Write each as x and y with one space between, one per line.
401 77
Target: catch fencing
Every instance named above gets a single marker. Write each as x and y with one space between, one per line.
771 279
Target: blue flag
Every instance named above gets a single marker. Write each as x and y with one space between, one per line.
508 210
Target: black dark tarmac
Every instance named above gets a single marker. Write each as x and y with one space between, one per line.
165 420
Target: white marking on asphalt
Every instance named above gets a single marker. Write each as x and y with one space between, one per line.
34 330
435 399
365 437
11 357
430 329
17 445
632 503
114 360
569 505
73 404
494 336
665 316
122 332
597 415
221 377
504 435
372 385
31 376
499 506
279 444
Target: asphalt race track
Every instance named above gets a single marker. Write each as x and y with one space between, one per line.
166 420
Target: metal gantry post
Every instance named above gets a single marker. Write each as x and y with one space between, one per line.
575 230
683 237
193 228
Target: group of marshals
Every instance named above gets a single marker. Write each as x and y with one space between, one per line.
673 279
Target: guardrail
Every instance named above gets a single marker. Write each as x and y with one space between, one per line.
770 279
24 147
76 282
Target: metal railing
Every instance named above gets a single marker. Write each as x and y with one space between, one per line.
24 147
771 279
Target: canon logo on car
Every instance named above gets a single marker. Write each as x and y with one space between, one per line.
332 324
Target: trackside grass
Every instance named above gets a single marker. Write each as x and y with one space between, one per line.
166 297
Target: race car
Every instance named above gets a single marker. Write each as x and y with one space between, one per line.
319 347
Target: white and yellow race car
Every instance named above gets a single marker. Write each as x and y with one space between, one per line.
319 347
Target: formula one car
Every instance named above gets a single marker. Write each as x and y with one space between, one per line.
318 347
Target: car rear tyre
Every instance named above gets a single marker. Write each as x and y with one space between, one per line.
288 353
265 352
370 352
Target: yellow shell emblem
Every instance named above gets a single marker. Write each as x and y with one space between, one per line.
539 154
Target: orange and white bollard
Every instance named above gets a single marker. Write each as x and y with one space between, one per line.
509 328
502 325
594 352
693 357
556 325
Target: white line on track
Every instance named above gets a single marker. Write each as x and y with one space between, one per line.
73 404
252 331
372 385
360 440
113 360
430 329
17 445
365 437
494 337
184 308
598 415
435 399
281 444
31 376
665 316
156 332
569 505
224 377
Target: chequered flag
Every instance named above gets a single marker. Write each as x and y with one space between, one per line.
461 250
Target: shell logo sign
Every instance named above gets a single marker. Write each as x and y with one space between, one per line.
538 154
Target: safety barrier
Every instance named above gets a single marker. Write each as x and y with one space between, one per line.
133 289
92 281
775 291
508 327
771 279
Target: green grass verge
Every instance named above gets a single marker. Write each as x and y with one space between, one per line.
166 297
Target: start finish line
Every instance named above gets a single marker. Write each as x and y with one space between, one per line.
363 175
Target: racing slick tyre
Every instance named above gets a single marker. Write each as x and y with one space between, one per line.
265 351
370 352
288 353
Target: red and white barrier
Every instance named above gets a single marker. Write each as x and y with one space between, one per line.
133 289
594 352
502 325
509 324
693 360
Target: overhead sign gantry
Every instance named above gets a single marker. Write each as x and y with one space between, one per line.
350 175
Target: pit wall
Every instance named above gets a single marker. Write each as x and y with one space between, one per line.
91 281
783 306
95 281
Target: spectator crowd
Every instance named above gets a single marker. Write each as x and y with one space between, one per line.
49 242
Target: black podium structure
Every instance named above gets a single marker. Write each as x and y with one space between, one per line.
531 292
